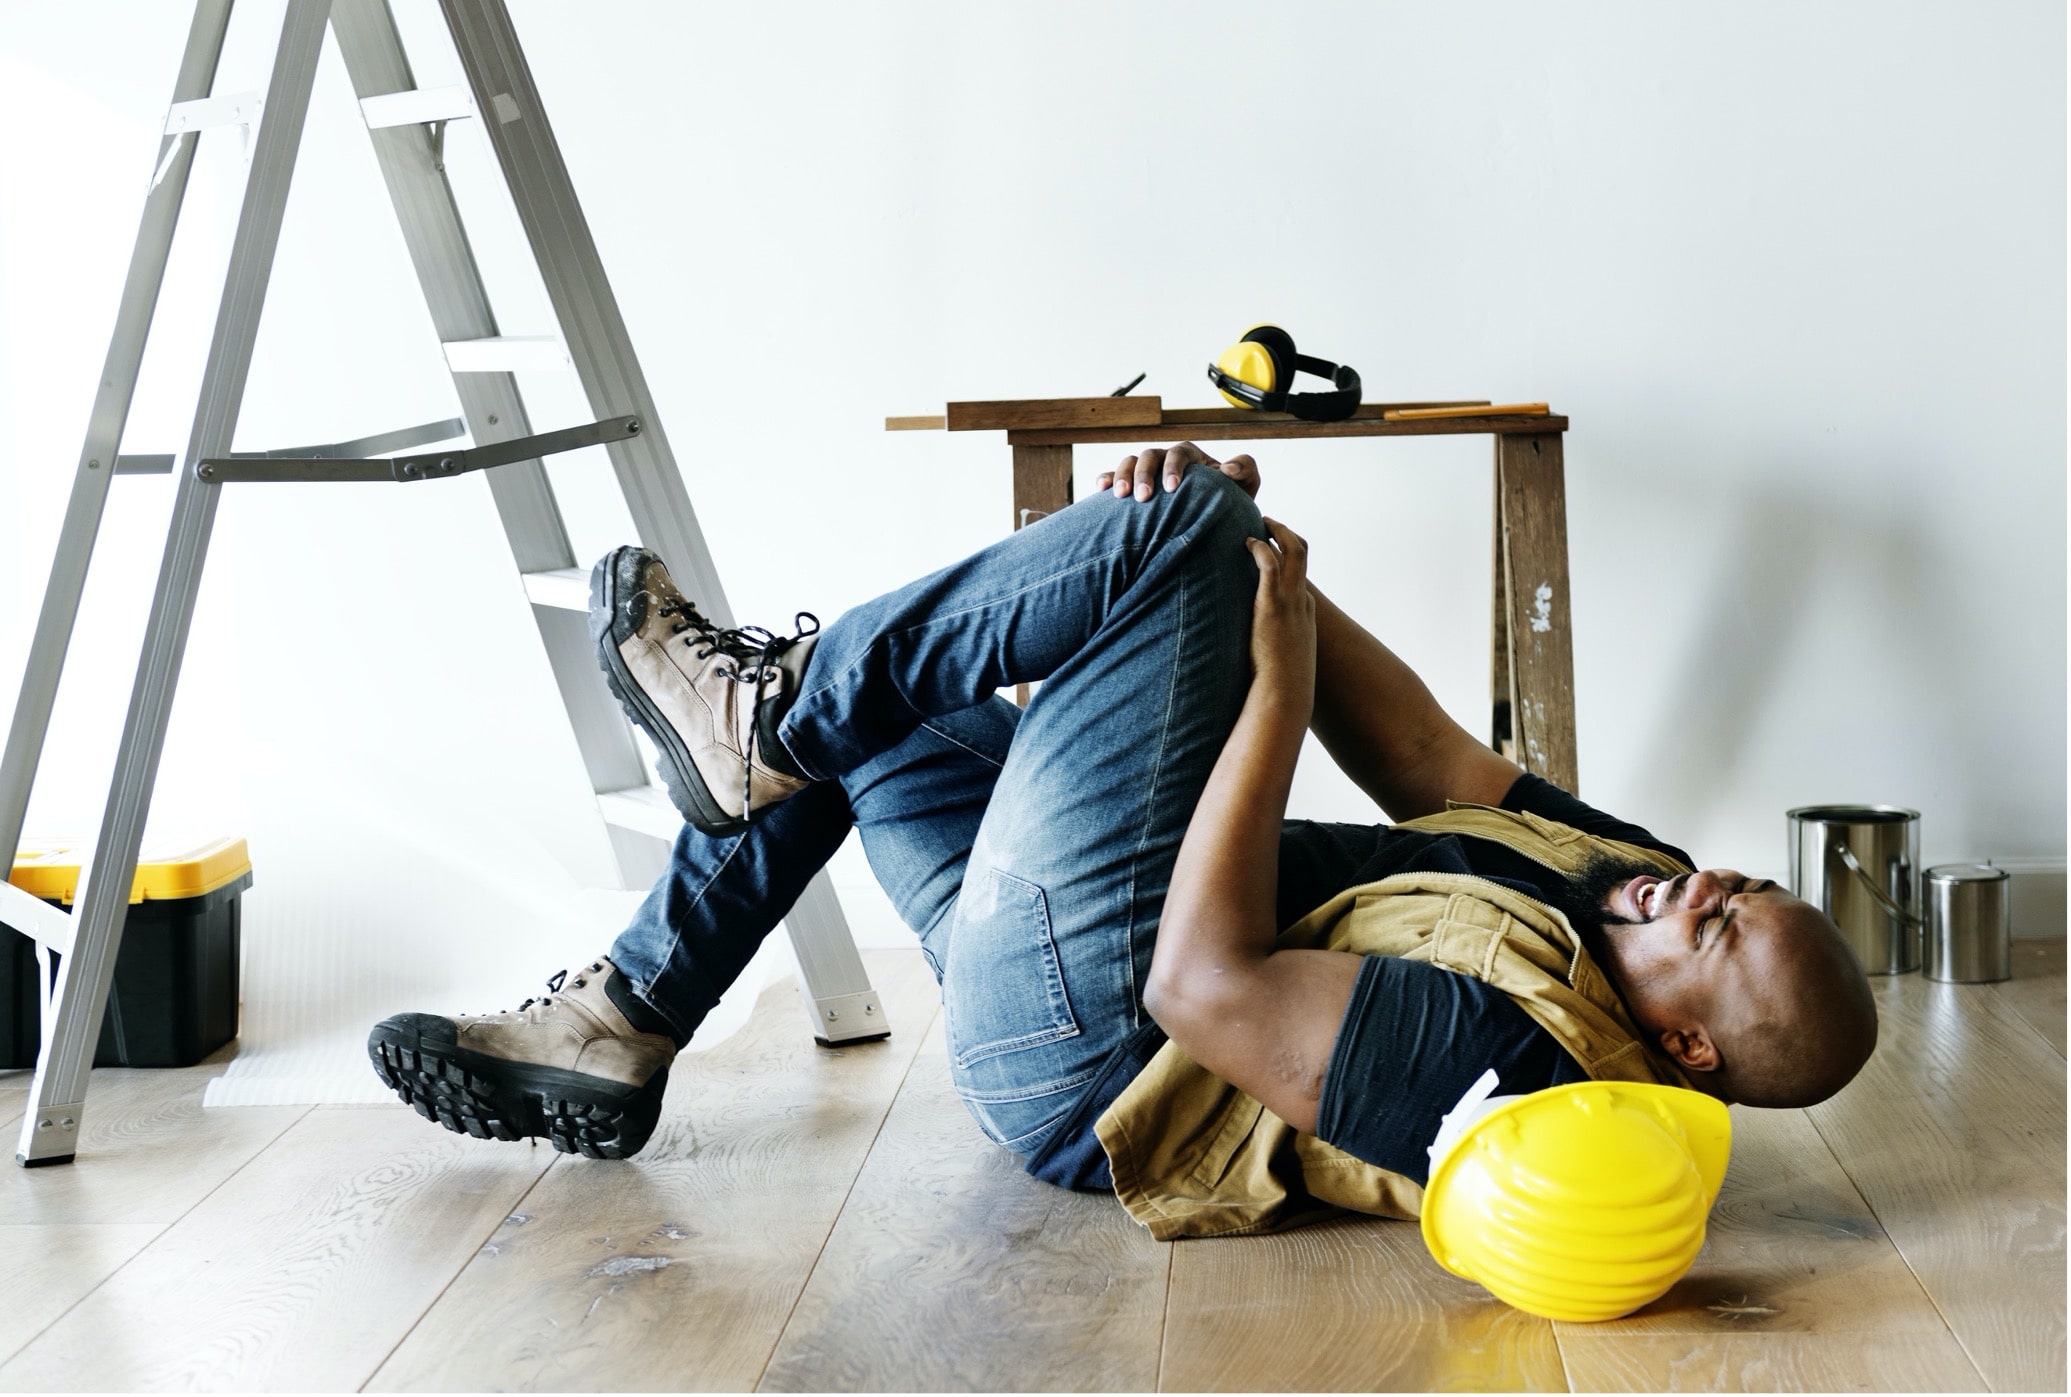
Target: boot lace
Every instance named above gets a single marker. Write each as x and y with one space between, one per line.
752 650
554 983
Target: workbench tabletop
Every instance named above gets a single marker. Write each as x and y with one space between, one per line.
1071 421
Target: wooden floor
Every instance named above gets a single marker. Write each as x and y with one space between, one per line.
831 1220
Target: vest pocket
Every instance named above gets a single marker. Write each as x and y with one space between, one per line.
1003 990
1240 1117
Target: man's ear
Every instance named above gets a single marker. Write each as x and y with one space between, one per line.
1691 1047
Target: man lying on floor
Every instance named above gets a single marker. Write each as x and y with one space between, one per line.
1101 882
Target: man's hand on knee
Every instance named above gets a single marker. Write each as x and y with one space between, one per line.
1137 473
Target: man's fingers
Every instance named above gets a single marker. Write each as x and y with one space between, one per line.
1284 536
1294 551
1179 458
1139 475
1148 464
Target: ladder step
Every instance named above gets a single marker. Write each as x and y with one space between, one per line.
566 588
52 926
504 354
417 106
644 809
242 109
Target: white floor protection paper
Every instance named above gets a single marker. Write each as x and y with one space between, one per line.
326 956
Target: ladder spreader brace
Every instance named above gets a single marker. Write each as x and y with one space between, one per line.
408 127
282 466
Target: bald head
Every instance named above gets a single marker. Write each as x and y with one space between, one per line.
1808 1028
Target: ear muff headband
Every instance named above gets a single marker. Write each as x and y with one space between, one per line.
1255 372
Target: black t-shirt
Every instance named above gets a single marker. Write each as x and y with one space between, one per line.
1414 1036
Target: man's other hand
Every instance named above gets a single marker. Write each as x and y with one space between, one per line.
1136 473
1283 617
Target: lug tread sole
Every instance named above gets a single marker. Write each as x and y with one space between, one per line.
477 1099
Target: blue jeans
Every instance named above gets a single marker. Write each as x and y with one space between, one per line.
1029 850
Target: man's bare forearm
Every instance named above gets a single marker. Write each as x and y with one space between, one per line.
1263 1020
1381 725
1221 903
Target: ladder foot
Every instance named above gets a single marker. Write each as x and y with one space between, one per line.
55 1138
851 1042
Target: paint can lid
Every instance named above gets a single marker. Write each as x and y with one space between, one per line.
1852 814
1966 873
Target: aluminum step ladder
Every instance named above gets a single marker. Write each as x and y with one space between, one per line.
408 127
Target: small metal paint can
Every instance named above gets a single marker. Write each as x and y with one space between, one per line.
1969 924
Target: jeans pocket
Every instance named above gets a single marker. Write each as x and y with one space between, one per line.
1004 991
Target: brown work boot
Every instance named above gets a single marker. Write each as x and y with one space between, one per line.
570 1067
709 696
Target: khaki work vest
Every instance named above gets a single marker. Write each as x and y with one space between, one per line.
1192 1156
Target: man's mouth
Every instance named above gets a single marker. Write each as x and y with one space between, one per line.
1645 897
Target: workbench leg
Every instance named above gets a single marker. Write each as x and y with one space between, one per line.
1531 493
1042 485
1502 694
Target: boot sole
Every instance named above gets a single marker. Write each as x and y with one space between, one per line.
687 790
493 1098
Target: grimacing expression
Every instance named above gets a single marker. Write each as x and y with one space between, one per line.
1704 940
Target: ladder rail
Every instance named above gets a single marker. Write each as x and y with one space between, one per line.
583 302
30 725
50 1125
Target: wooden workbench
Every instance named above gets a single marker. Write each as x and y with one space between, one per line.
1532 666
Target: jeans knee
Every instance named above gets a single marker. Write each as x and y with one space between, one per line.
1220 498
1217 515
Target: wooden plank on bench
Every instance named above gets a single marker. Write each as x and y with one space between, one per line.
1053 412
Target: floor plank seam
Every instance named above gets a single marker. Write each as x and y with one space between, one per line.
891 1102
517 1206
1164 1320
1918 1279
2004 1001
163 1228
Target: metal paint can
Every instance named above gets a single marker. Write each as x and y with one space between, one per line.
1859 864
1969 923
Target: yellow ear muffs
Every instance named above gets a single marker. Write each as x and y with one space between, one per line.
1250 362
1258 370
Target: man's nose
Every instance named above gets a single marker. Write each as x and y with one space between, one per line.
1708 887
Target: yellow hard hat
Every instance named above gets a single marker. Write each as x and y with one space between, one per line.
1580 1202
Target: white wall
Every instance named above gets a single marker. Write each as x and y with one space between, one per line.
1794 272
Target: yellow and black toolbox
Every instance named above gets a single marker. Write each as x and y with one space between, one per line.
174 1000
